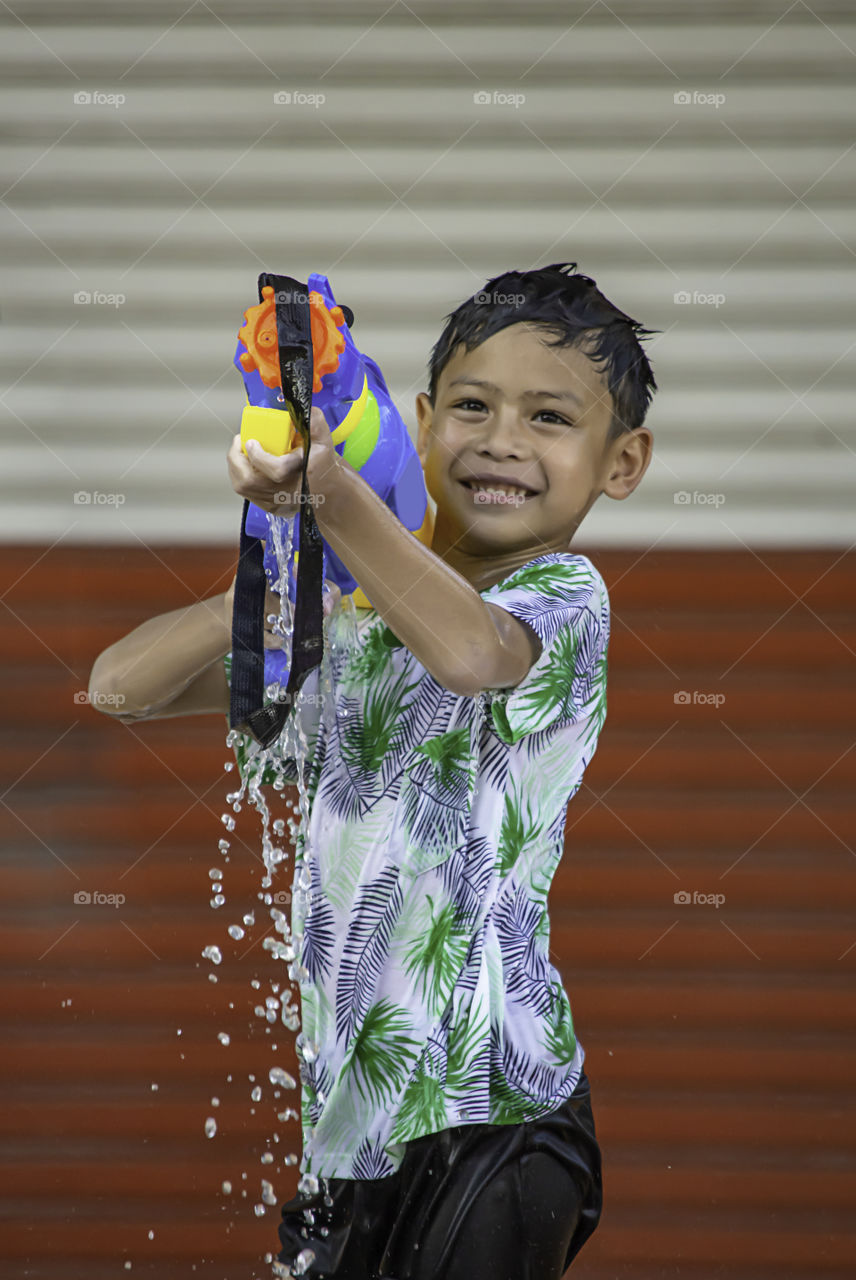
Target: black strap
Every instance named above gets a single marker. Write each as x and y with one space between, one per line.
247 711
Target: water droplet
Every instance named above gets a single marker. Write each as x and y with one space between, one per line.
215 1102
235 931
267 1157
154 1087
223 846
215 873
249 919
213 954
226 1188
210 1127
268 1194
303 1262
256 1094
228 821
259 1210
277 1075
218 900
290 1159
212 977
308 1185
222 1037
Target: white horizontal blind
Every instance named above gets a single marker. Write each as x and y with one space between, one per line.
148 165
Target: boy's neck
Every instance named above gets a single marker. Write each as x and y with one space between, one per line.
483 571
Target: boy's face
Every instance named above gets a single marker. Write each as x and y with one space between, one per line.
519 410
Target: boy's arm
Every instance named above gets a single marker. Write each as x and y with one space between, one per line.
169 665
466 644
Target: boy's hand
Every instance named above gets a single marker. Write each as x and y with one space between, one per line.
273 483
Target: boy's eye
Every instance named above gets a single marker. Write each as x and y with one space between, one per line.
478 406
552 414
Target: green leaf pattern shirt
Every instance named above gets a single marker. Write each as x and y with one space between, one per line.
435 826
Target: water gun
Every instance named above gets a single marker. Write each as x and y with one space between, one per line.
294 349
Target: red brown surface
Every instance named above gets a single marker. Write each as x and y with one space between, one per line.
720 1043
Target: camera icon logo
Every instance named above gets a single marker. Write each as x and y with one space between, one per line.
682 698
481 98
282 98
82 98
282 898
682 98
81 298
82 898
683 897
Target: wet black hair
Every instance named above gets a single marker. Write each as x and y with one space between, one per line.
574 309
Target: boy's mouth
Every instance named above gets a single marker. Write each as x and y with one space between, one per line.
495 494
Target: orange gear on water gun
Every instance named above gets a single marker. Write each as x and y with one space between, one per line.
259 337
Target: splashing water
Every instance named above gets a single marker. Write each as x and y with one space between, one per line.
257 763
277 1075
210 1127
303 1262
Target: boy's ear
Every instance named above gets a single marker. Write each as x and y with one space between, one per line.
628 463
424 419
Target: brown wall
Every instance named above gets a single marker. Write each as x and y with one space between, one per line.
719 1041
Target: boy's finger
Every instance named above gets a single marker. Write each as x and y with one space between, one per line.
272 465
318 428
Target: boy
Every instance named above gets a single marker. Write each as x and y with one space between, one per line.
445 1106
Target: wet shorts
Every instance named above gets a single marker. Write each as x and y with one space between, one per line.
477 1202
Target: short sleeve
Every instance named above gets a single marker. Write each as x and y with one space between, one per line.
563 598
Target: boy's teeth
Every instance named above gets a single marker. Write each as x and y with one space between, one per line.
493 488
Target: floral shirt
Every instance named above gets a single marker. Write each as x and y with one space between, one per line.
435 825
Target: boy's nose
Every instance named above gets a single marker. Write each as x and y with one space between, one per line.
504 435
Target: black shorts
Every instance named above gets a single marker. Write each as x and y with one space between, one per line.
503 1202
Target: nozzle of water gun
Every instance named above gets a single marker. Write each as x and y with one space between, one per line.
273 428
258 335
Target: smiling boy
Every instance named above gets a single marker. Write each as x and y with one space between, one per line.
445 1104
